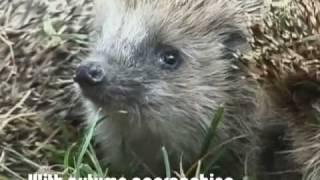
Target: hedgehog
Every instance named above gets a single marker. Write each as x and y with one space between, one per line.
158 73
285 61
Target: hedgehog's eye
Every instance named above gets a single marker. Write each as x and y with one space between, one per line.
170 58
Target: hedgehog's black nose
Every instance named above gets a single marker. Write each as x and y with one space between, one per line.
89 74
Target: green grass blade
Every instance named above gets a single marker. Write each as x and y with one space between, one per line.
218 116
67 157
95 161
166 162
212 130
218 155
85 145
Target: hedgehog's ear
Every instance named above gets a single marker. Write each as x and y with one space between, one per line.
235 36
236 40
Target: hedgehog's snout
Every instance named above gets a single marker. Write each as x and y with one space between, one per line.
89 74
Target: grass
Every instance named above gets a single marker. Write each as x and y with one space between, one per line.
85 161
80 159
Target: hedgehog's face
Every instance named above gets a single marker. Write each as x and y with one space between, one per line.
156 54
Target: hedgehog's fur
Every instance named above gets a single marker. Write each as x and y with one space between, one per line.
177 107
286 62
